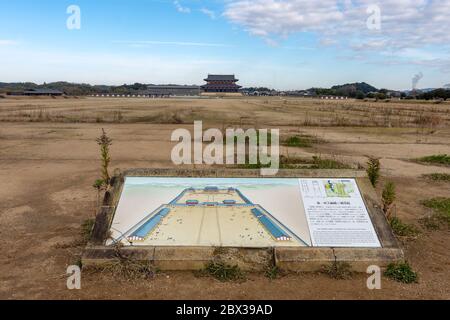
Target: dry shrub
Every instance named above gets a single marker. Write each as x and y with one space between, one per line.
127 269
338 270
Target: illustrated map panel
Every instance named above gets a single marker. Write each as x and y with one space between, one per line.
241 212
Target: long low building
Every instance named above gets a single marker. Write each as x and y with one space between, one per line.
172 90
37 92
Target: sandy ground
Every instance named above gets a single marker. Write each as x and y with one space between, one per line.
47 168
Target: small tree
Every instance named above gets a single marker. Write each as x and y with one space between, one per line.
380 96
360 95
105 142
388 198
373 170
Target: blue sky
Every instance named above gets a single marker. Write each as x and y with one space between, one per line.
281 44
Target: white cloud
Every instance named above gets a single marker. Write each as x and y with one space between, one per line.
266 17
441 64
8 42
208 12
180 8
146 43
404 23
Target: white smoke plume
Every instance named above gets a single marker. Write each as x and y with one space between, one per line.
416 79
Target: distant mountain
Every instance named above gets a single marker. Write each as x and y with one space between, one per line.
69 88
75 88
354 87
18 85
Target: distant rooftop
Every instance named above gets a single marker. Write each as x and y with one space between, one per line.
43 91
221 77
172 87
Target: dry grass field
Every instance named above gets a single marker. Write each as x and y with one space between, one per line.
49 161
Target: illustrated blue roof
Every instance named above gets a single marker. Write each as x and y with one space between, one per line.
269 224
246 200
257 213
174 201
148 226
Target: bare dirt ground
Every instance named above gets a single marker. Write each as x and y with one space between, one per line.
49 160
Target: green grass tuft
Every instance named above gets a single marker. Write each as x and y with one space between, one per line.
294 163
373 170
222 271
402 229
319 163
272 272
441 215
298 141
388 197
438 204
437 177
86 229
441 159
77 262
401 272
